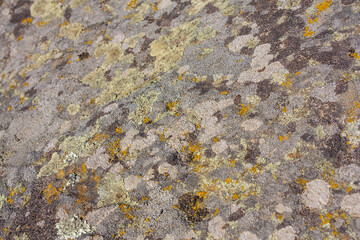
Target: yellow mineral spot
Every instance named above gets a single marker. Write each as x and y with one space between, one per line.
215 139
147 120
9 108
19 38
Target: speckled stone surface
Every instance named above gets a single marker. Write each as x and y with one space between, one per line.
179 119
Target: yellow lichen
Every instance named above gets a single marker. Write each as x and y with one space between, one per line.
72 31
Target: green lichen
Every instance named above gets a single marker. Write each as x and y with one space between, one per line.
111 191
72 228
122 84
73 109
223 5
47 9
72 31
168 49
144 106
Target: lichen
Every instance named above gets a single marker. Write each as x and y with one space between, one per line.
47 9
72 228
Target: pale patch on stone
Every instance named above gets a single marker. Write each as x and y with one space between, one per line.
176 133
219 147
216 227
239 42
316 194
260 67
252 124
248 236
205 111
96 217
100 159
286 233
349 173
280 208
131 182
183 69
169 169
165 4
73 108
351 204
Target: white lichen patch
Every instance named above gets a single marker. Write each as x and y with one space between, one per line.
286 233
131 182
216 229
351 204
72 228
239 42
260 67
248 236
251 124
317 194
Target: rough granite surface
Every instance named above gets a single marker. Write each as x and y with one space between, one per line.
179 119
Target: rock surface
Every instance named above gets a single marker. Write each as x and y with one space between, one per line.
179 119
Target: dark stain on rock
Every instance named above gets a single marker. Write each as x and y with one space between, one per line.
84 56
252 152
31 92
341 87
34 211
323 112
17 18
210 8
307 137
107 75
68 13
335 146
264 89
193 207
236 215
347 2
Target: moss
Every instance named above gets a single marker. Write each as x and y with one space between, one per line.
72 228
72 31
47 9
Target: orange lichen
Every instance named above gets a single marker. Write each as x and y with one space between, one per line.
27 20
285 137
51 193
167 188
243 109
308 33
323 5
224 93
